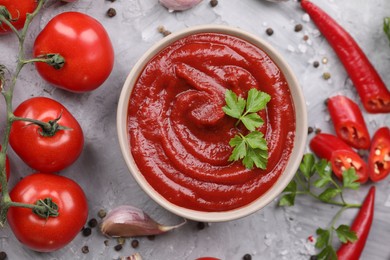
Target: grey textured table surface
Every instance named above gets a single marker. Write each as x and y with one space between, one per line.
272 233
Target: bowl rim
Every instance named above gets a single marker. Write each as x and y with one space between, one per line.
300 128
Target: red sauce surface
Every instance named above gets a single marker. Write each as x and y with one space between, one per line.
179 134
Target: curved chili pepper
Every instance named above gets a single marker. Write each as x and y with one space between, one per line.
340 155
372 90
362 226
348 122
379 158
323 145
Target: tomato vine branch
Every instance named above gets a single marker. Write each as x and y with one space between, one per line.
6 202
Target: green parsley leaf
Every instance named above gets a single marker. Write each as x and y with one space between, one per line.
328 253
235 106
256 100
323 238
345 234
350 179
386 26
288 199
256 139
239 150
252 121
324 170
307 165
328 194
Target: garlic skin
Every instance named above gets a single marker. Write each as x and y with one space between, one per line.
129 221
179 5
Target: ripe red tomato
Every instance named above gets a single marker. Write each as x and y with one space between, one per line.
18 11
40 152
41 234
86 47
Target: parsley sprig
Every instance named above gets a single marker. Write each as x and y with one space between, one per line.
326 189
252 148
386 26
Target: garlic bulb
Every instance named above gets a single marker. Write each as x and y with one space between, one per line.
179 5
128 221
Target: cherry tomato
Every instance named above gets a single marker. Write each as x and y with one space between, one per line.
86 47
41 234
323 145
348 122
342 160
40 151
379 158
18 10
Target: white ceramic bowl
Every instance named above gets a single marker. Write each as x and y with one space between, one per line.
299 142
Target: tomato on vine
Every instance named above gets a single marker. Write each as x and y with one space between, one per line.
51 146
84 45
47 233
17 11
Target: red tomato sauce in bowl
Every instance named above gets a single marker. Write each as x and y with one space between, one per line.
179 135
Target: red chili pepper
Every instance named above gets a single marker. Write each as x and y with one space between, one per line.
323 145
379 158
340 154
372 90
348 122
362 226
342 160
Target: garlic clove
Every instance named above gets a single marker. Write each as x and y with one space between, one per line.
179 5
129 221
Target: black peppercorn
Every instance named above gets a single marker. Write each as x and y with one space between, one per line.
201 225
87 231
111 12
213 3
85 249
134 243
118 247
92 223
247 257
316 64
310 130
298 27
269 31
3 255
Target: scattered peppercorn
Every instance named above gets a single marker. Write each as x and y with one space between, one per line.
163 31
326 75
111 12
106 242
134 243
298 27
316 64
213 3
87 231
269 31
92 223
201 225
118 247
247 257
111 1
310 130
318 130
102 213
324 60
3 255
306 37
313 257
85 249
151 237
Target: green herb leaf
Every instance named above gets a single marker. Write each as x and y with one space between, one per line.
350 179
307 165
386 26
256 100
288 199
328 194
252 121
256 139
239 150
324 172
323 238
235 106
257 157
345 234
328 253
